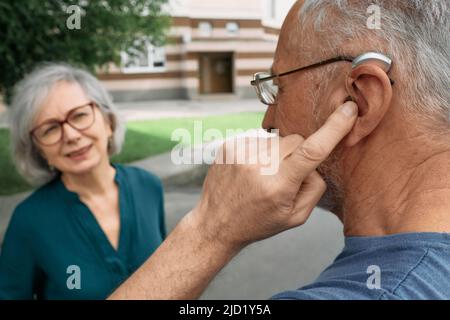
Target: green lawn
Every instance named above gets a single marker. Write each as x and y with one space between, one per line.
143 139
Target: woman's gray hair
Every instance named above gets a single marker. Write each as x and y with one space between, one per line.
415 33
30 93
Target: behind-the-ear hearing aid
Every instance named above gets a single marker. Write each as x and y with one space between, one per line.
386 64
370 56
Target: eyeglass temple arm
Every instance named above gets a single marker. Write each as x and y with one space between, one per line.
318 64
338 58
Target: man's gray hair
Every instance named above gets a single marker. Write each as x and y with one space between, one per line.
30 93
415 33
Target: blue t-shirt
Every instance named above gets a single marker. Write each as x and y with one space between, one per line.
399 266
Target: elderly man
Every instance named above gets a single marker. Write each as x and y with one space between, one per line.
388 180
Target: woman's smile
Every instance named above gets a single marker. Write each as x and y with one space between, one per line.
80 154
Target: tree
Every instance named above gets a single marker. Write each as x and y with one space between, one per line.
88 33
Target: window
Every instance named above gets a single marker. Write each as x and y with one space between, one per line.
159 57
205 28
232 28
151 59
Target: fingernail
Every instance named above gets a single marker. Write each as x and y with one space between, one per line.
349 109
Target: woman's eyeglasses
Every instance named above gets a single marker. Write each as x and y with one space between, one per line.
51 132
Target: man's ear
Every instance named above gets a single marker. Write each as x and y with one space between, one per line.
370 87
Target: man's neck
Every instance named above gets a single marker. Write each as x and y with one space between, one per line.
402 186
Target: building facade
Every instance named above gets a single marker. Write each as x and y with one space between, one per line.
214 48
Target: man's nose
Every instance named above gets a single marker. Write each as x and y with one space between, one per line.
269 118
70 133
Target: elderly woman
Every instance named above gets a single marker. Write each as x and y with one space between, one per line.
91 223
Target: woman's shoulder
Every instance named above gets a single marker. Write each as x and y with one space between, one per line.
38 201
41 195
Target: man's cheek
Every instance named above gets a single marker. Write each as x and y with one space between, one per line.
291 123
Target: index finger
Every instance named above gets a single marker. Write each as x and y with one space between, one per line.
317 147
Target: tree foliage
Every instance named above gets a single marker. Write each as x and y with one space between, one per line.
89 33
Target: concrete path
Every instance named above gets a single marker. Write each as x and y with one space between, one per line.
186 108
145 110
287 261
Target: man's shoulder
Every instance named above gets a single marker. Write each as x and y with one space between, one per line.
336 290
402 270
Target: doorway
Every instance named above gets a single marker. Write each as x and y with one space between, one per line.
216 72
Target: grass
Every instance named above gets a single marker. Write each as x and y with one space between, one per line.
10 181
143 139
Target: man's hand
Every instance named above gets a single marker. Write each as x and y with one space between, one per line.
238 206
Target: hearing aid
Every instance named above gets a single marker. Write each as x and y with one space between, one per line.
349 98
386 62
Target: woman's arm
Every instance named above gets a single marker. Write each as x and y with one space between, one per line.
17 265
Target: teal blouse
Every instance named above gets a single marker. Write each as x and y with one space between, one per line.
54 247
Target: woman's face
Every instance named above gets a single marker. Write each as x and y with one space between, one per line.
78 151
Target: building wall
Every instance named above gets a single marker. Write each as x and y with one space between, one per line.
252 49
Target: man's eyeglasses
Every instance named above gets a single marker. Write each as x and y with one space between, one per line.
267 90
51 132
